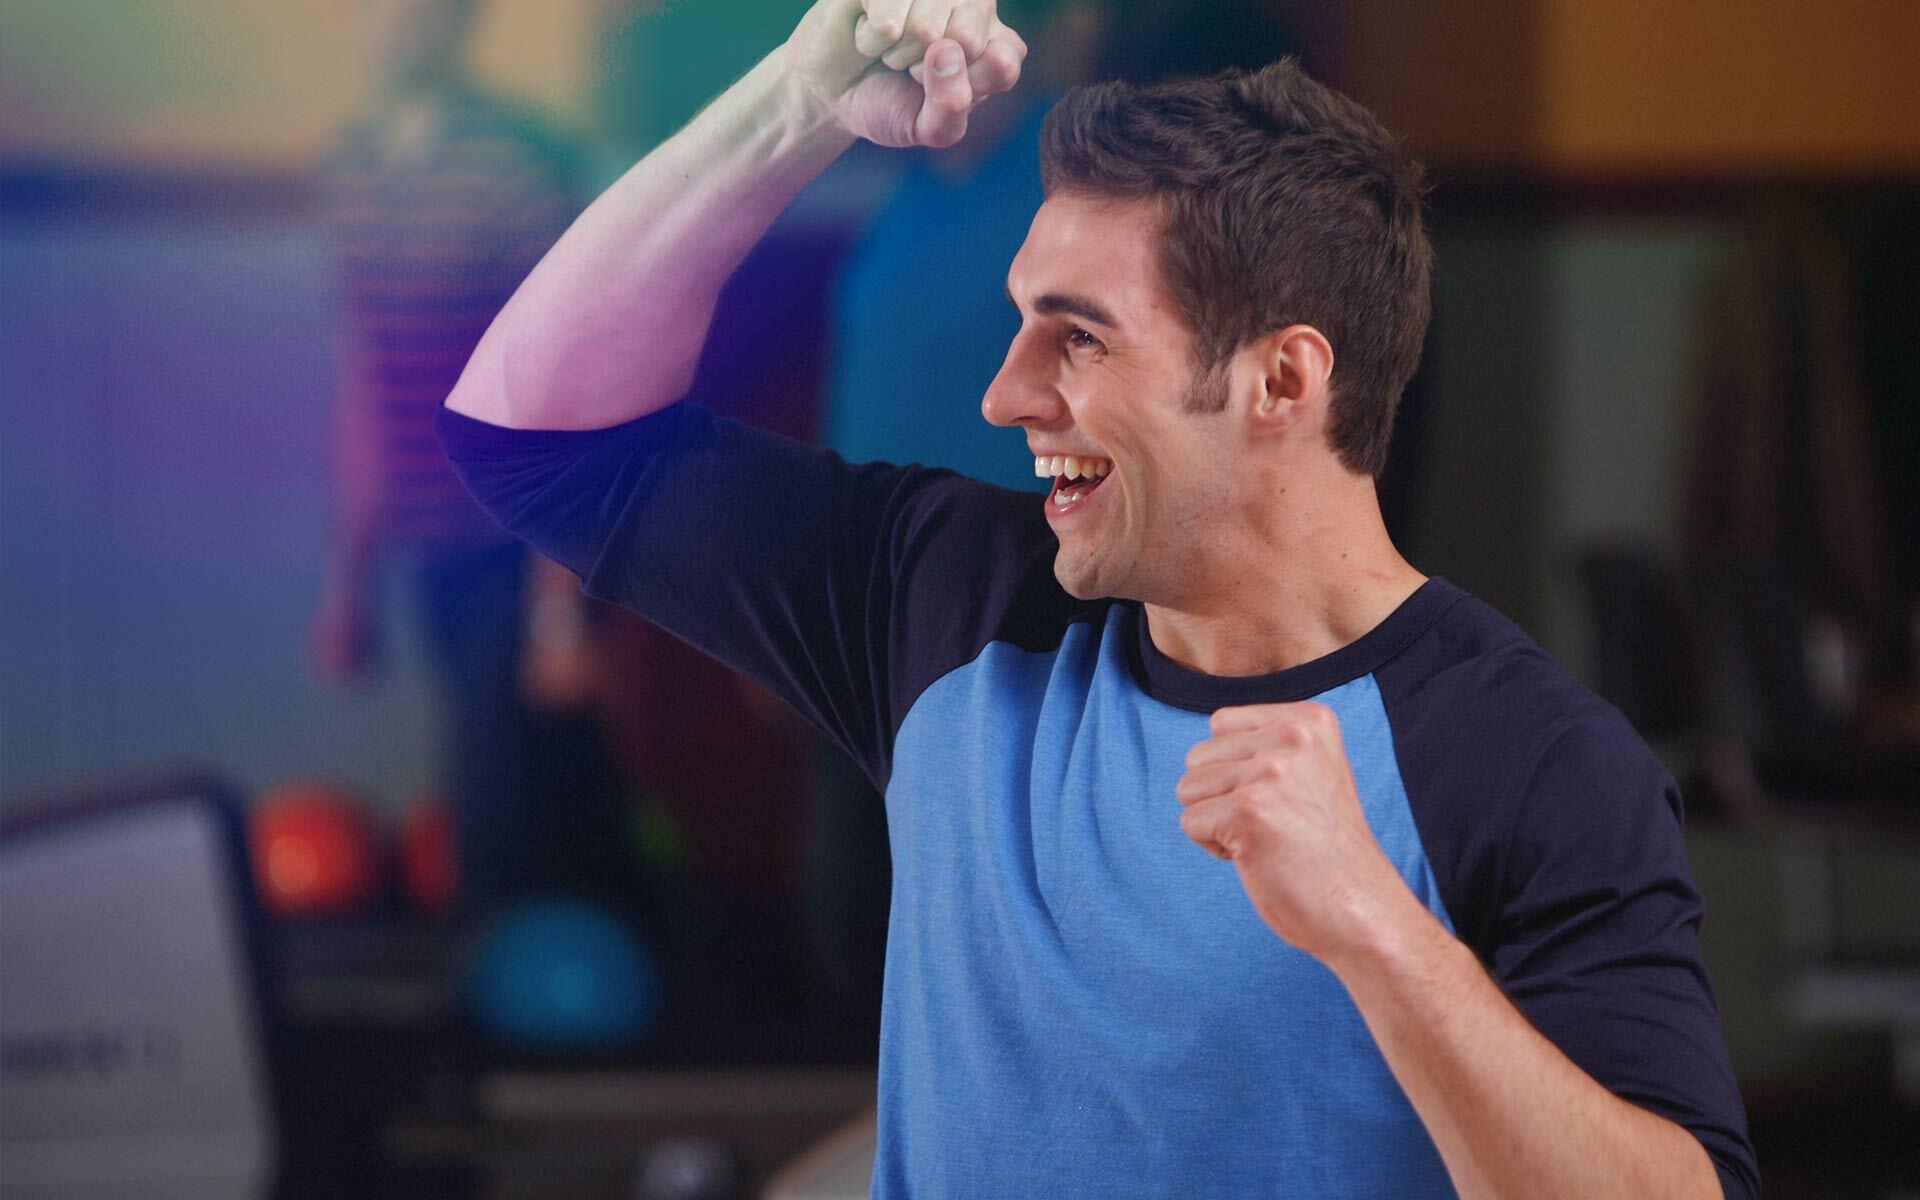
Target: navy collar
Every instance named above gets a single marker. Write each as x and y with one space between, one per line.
1182 687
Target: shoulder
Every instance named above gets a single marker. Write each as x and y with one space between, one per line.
1494 694
1510 763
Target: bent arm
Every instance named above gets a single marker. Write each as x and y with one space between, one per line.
1572 1047
1509 1112
608 327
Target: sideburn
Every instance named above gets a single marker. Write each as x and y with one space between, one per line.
1207 390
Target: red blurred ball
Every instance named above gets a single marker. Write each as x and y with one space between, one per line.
316 852
429 867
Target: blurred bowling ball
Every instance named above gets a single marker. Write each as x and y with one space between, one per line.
316 850
563 974
429 870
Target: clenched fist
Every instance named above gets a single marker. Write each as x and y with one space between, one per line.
904 72
1273 792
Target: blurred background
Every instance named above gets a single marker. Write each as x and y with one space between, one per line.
348 850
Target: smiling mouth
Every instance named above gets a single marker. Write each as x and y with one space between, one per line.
1074 479
1074 492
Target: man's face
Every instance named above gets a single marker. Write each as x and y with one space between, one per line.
1103 369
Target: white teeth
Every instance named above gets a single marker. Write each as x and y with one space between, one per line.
1071 465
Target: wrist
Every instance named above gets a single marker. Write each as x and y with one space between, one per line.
1398 941
811 117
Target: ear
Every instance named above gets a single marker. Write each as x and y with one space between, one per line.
1292 371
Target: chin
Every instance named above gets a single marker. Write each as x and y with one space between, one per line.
1079 580
1082 591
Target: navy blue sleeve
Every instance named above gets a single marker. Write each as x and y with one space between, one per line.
1555 835
1597 936
844 589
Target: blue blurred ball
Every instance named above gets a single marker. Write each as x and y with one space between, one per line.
562 973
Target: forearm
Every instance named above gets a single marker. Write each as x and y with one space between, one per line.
1511 1115
609 325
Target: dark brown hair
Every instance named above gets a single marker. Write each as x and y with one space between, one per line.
1285 203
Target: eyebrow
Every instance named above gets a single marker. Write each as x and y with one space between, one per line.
1054 303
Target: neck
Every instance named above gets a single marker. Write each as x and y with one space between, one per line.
1297 583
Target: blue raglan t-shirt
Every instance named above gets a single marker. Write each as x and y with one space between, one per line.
1078 999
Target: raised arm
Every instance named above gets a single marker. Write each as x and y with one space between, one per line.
609 326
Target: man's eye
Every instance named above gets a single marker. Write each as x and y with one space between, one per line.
1080 337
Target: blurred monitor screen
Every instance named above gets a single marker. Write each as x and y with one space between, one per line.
131 1056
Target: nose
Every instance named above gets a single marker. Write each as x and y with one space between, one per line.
1025 392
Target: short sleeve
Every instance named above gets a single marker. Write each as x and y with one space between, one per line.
759 550
1597 936
842 588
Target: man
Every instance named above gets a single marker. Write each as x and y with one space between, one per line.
1445 937
440 198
